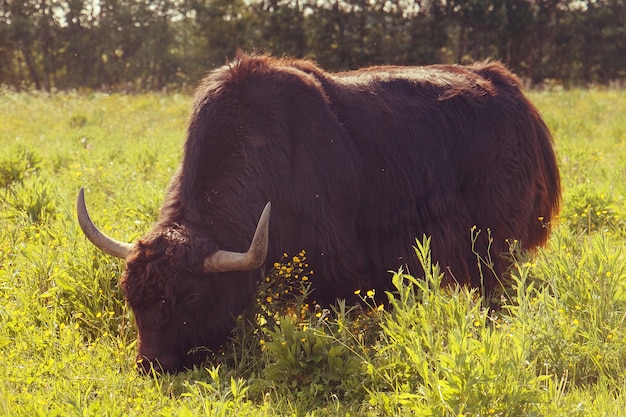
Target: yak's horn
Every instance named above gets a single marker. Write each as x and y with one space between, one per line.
99 239
224 261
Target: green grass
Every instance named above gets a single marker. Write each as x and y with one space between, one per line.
557 347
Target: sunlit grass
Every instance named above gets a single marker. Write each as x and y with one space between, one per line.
556 347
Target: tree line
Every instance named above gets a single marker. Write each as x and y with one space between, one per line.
157 44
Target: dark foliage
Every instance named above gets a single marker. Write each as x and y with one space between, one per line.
148 45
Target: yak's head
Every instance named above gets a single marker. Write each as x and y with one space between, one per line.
184 292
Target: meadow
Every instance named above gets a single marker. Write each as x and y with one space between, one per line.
556 347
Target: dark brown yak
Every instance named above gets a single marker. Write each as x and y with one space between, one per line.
356 165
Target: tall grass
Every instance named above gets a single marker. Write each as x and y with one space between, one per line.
556 347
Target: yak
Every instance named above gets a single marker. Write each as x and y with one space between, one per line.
353 167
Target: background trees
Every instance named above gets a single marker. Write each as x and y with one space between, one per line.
156 44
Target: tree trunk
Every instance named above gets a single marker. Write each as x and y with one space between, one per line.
30 65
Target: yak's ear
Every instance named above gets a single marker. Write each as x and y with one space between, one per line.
224 261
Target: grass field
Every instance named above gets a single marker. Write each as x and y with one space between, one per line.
67 342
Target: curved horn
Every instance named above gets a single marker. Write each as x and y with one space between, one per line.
99 239
224 261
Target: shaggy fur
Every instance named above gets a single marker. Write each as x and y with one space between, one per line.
356 165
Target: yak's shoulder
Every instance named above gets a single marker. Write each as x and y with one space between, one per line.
248 71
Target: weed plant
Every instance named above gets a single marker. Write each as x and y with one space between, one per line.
556 346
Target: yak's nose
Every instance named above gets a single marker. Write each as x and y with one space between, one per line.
158 364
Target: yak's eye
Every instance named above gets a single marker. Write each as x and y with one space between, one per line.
163 300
